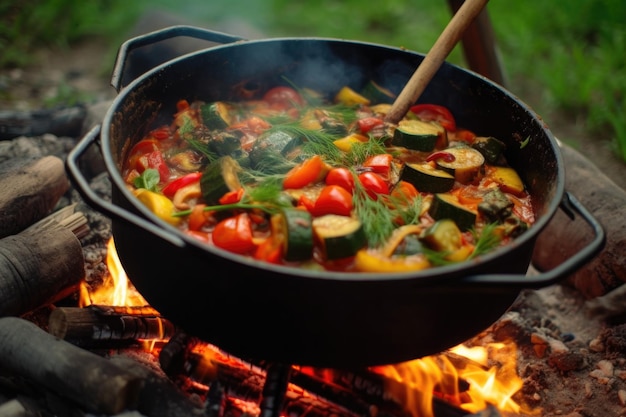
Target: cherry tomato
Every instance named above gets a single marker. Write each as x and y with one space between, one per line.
434 112
380 164
374 184
342 177
283 98
170 189
333 199
304 173
234 234
368 123
404 191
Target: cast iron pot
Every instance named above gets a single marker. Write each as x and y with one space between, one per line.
280 314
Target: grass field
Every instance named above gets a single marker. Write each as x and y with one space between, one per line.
574 53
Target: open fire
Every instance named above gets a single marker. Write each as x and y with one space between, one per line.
469 378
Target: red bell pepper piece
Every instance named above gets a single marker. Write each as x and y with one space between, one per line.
170 189
270 250
156 161
368 123
380 164
434 112
231 197
333 199
445 156
234 234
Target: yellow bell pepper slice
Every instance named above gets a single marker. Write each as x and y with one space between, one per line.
349 97
372 260
345 143
160 205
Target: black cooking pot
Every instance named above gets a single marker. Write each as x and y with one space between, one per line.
282 314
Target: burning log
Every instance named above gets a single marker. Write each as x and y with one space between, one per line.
42 264
91 381
29 190
84 326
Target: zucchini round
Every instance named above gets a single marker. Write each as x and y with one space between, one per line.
491 148
338 236
446 206
216 115
466 165
297 231
427 179
443 236
377 93
219 178
419 135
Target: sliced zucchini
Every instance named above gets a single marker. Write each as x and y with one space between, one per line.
218 178
491 148
338 236
443 236
507 179
377 93
446 206
466 165
419 135
271 147
296 228
216 115
225 143
426 178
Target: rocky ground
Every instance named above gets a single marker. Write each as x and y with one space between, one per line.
572 349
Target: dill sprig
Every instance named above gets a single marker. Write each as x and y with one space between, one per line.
486 240
378 221
187 132
360 151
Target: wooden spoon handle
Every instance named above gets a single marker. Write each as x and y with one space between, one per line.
435 58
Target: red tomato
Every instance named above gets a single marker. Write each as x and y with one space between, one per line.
333 200
170 189
283 98
404 191
381 163
304 173
374 184
270 250
342 177
368 123
434 112
234 234
306 203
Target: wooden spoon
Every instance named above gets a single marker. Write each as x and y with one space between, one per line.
434 59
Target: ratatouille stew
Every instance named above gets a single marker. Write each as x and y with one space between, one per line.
297 179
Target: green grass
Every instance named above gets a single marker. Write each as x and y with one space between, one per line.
573 53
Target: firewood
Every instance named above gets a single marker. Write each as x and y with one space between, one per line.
91 381
84 326
65 121
29 190
42 264
563 236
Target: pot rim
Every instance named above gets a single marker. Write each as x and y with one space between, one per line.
422 276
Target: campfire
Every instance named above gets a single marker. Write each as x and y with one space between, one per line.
87 342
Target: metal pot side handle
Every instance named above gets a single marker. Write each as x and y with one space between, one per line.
161 35
570 205
94 200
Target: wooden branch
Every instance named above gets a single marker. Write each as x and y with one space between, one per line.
39 266
29 190
85 378
101 323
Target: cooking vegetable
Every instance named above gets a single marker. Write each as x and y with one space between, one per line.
234 234
436 113
465 165
349 97
160 205
443 236
283 98
377 93
216 115
491 148
345 143
338 236
419 135
426 178
495 206
298 234
373 184
507 178
446 206
379 163
333 199
170 189
218 178
303 174
342 177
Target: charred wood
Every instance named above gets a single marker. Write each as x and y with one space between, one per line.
40 265
29 190
83 326
78 375
67 121
274 390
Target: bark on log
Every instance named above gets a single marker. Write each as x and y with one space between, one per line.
83 326
29 190
89 380
37 267
563 236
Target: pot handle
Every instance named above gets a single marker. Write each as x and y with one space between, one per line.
161 35
108 208
569 204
